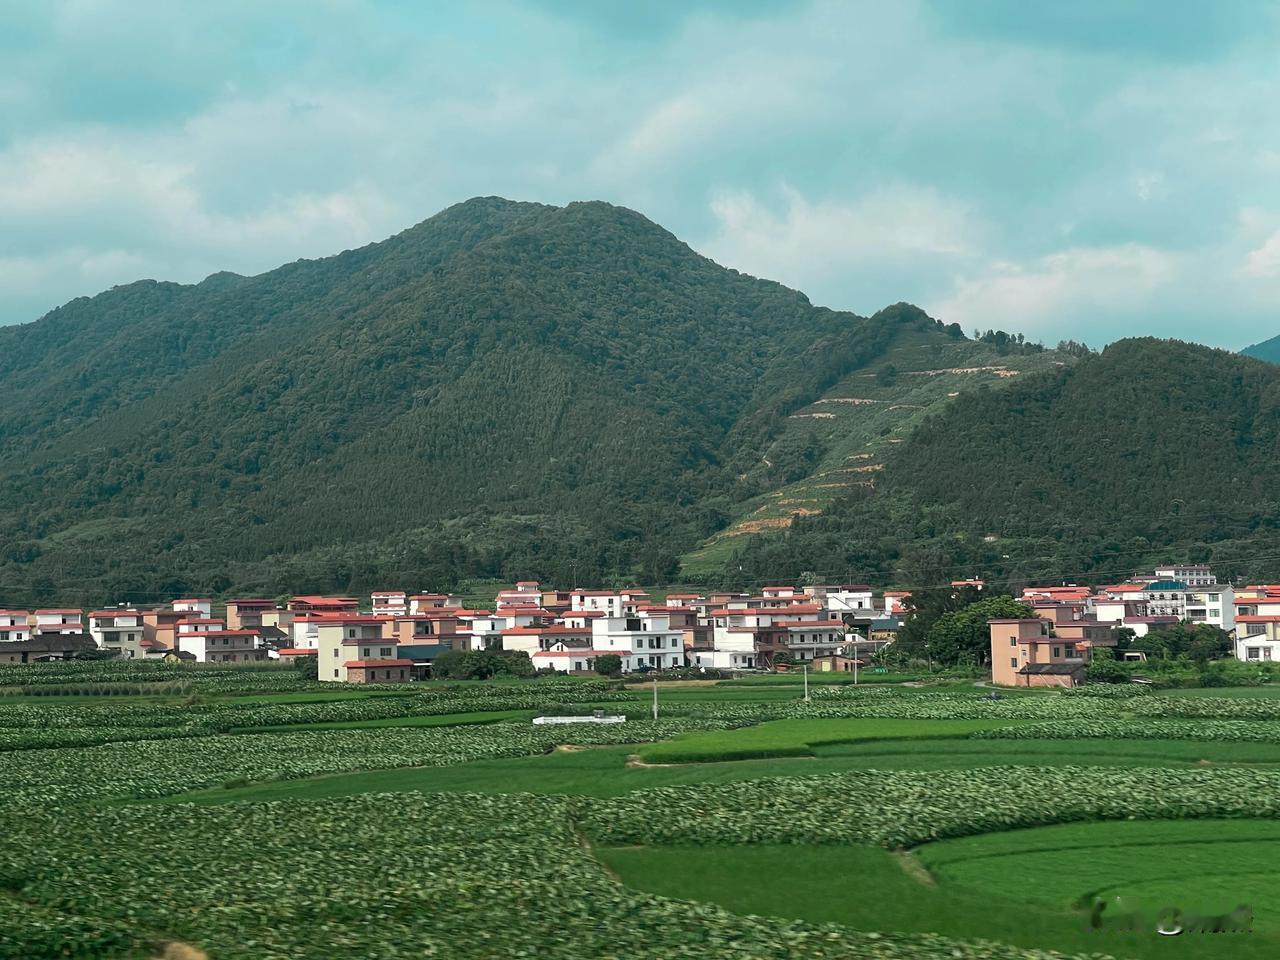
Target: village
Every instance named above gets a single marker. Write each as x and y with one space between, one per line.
396 636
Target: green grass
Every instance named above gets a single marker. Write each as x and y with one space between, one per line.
798 738
1028 903
603 772
437 720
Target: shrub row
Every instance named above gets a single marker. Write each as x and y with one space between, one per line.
903 808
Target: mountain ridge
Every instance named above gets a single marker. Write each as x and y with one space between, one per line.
440 381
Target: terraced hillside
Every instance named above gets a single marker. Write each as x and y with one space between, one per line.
838 443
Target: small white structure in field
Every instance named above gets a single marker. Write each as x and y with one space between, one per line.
598 718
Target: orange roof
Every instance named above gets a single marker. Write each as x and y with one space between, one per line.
295 651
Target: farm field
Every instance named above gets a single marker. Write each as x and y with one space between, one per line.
262 816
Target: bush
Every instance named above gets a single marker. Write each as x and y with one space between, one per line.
609 665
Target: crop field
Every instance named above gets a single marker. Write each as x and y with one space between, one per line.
251 814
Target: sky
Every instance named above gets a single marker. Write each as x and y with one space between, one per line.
1086 170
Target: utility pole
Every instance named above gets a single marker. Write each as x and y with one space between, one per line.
806 683
655 698
855 663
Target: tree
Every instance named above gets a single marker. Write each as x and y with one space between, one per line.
1105 668
308 666
887 375
926 607
1199 642
608 665
963 636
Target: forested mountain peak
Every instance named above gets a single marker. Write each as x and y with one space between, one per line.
503 388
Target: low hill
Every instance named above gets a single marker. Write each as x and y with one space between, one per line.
1268 350
839 443
1152 450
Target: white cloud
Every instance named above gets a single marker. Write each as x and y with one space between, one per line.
1263 261
809 244
1053 291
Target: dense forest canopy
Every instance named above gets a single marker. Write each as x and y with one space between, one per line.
507 389
1153 450
571 393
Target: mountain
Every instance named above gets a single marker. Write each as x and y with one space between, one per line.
1152 450
1268 350
839 443
506 389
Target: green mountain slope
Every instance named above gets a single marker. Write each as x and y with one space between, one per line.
505 389
839 443
1268 350
1152 450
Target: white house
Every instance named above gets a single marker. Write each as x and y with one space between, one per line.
59 621
856 599
612 603
119 629
223 646
195 607
1192 574
15 626
567 659
644 639
390 603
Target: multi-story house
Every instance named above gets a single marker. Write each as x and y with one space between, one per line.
1258 638
532 640
315 604
120 630
1036 651
389 603
194 607
59 621
855 598
612 603
642 639
15 626
1213 604
244 614
567 658
222 646
1192 574
360 649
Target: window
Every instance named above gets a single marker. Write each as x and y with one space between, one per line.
335 654
1214 597
1013 662
1013 641
1215 612
1071 649
1254 630
673 641
384 651
1057 652
1253 653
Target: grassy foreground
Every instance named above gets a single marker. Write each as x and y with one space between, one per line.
1019 887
